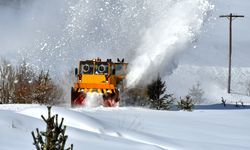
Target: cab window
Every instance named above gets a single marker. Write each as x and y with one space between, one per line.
120 69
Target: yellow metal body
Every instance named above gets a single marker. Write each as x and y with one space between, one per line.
91 77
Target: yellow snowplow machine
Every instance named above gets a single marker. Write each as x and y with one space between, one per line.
104 77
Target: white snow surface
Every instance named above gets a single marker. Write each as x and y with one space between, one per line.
130 128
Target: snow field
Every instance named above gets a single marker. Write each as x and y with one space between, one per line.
130 128
213 80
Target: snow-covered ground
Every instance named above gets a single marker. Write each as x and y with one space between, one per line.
130 128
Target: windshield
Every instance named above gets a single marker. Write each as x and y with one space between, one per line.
120 69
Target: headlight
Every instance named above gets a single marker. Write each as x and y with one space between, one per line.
85 68
101 68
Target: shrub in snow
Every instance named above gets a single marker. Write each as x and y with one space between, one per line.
24 85
156 93
54 137
196 93
242 104
186 103
45 91
236 104
239 104
223 101
23 89
136 96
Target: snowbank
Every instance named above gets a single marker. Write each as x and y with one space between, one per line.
131 128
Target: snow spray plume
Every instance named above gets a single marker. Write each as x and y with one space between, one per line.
67 31
55 35
168 36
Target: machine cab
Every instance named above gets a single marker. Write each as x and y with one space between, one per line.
105 77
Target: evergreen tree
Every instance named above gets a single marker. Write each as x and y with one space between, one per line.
196 93
186 103
54 137
156 93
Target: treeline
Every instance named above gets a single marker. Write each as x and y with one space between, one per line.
155 96
21 84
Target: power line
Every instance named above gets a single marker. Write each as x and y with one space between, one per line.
230 17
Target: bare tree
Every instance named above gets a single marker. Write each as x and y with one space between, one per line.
23 85
223 101
45 91
7 80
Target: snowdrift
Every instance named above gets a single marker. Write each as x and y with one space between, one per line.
130 128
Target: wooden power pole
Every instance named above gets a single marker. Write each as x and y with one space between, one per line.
230 17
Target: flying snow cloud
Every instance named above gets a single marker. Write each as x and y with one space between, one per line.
149 34
175 28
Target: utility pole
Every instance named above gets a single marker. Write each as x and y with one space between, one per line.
230 17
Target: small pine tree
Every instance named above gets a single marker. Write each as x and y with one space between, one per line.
54 138
186 104
156 93
196 93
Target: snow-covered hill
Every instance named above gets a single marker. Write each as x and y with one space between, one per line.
213 81
211 48
206 61
130 128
